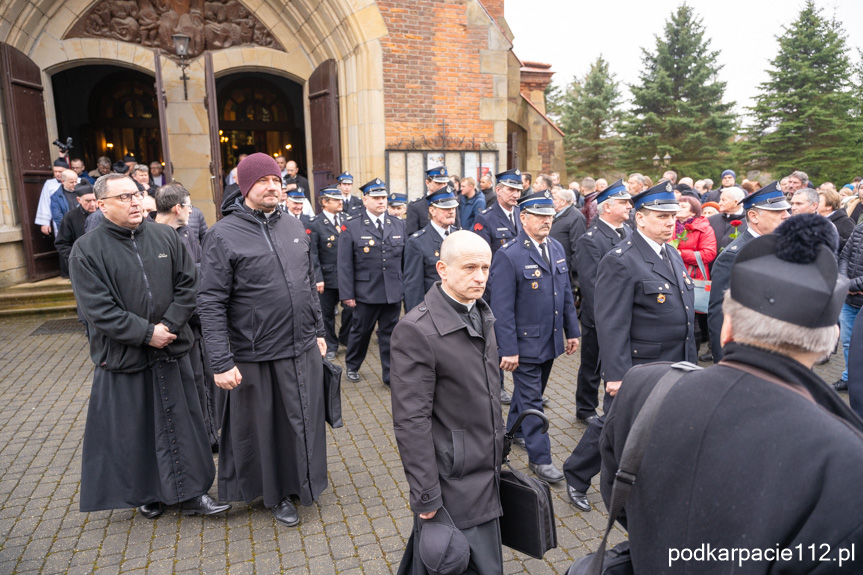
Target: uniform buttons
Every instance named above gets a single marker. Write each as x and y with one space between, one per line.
161 377
687 307
171 430
425 497
174 452
634 351
177 461
555 313
173 441
525 333
163 388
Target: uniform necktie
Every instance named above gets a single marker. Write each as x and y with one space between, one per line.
380 228
664 252
512 221
545 254
446 233
338 223
620 233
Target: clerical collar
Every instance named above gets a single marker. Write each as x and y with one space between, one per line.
653 245
456 305
438 229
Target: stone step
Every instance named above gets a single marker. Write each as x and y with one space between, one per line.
48 296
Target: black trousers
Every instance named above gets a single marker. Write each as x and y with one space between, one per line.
329 300
365 316
529 381
587 386
585 461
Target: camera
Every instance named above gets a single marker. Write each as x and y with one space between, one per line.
64 147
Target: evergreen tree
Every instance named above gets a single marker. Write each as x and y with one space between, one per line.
806 116
589 118
677 107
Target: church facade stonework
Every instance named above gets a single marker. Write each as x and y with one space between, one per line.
384 119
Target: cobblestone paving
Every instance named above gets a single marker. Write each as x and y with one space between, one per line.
359 525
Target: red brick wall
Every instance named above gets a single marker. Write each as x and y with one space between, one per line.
431 71
494 7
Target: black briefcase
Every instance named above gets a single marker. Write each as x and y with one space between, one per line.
333 394
527 524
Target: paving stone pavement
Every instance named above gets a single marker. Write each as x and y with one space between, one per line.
359 525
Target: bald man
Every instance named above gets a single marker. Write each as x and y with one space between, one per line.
444 377
64 198
293 180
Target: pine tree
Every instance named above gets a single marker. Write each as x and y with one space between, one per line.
589 117
806 116
677 107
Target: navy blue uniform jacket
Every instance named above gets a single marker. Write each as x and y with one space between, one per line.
325 250
370 265
532 304
495 228
589 251
650 311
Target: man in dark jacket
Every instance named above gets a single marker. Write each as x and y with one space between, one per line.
72 225
264 337
536 320
173 208
446 409
418 213
756 454
422 250
568 225
144 440
608 231
851 266
324 231
765 210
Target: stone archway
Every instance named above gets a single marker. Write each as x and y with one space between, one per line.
309 32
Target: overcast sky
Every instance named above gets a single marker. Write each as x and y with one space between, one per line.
571 34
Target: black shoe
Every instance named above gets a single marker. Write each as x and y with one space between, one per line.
286 514
588 419
331 356
547 472
519 441
214 448
353 375
840 385
203 505
578 499
544 400
151 510
505 397
706 356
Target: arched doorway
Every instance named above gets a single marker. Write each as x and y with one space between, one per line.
261 112
108 111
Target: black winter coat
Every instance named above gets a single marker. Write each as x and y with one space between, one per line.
566 228
851 265
738 461
257 299
126 281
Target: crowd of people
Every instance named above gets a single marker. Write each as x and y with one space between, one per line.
217 337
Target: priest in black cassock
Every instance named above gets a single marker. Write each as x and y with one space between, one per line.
144 440
264 335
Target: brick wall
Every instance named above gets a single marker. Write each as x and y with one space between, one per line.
431 67
494 7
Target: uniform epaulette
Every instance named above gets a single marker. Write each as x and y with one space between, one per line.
487 210
418 233
511 242
313 218
621 248
347 217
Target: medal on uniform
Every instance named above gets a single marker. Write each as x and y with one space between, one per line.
329 245
366 250
660 298
437 254
371 243
534 285
537 274
331 238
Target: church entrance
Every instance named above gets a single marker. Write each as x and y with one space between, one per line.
261 112
108 111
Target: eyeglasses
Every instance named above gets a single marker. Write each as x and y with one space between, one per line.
185 205
127 198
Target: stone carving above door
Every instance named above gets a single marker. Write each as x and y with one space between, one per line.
210 24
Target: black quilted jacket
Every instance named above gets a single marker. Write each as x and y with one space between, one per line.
851 264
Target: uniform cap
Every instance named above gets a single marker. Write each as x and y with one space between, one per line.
659 198
770 197
511 178
444 549
345 178
58 163
616 191
376 188
438 174
395 199
443 198
296 195
331 192
539 203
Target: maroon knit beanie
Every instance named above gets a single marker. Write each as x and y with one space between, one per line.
253 168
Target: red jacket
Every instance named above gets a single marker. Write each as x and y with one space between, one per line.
699 237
